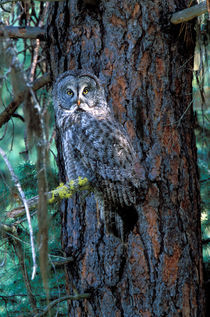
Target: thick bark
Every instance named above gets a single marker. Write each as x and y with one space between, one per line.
145 65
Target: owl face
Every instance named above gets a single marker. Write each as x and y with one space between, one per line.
80 94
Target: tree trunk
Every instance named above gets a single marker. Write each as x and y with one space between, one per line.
145 65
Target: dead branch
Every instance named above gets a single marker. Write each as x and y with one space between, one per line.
5 116
189 13
61 299
28 32
63 262
8 228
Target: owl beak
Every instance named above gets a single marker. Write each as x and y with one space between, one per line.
78 102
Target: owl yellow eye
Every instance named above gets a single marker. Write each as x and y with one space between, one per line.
69 92
85 91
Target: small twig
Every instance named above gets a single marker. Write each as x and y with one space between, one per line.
8 228
204 180
61 299
206 241
63 262
15 237
22 195
189 13
182 116
180 119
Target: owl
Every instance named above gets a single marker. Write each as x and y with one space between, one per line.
96 146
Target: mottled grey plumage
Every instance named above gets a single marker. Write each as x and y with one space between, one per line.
96 146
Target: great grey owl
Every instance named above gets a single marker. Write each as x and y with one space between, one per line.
96 146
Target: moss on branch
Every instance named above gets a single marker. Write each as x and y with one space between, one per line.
63 191
67 190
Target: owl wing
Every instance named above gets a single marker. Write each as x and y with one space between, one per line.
106 149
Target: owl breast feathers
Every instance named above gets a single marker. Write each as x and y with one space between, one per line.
94 144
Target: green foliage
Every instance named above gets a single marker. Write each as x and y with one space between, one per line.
202 138
27 176
14 290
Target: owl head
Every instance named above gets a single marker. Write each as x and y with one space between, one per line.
79 92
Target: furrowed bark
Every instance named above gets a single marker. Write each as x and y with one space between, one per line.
146 68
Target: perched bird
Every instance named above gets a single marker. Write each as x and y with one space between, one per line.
96 146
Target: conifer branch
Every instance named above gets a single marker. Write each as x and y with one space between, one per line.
26 208
189 13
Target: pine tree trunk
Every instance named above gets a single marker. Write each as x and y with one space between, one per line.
145 65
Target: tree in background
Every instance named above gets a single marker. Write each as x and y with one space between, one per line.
146 65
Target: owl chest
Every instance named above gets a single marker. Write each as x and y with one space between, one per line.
76 161
70 144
